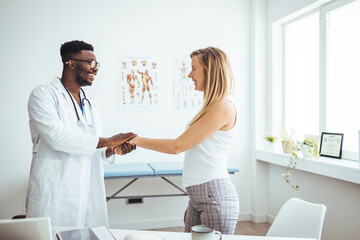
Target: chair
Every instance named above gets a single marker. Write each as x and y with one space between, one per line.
27 228
298 218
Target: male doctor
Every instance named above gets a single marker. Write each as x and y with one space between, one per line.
66 177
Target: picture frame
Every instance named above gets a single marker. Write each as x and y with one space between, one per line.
331 144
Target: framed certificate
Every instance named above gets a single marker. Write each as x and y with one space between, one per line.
331 144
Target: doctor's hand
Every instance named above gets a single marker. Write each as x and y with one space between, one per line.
115 140
121 138
124 148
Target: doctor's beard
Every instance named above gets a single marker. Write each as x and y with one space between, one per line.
82 81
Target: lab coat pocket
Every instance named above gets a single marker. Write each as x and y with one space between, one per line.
46 174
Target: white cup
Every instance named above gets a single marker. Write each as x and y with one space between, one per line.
203 232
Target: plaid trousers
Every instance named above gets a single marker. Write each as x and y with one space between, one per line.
214 203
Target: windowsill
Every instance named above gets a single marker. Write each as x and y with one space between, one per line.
335 168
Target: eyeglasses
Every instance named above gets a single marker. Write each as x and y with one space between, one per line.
93 63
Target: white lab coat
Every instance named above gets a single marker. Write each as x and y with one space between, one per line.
66 177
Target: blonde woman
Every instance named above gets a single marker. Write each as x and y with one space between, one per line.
206 143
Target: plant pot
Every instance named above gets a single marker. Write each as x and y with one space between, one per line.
287 146
270 146
305 150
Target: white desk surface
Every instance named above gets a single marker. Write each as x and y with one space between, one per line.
120 234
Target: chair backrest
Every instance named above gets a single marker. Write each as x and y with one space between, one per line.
298 218
27 228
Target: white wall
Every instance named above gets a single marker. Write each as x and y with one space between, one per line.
342 218
259 103
31 34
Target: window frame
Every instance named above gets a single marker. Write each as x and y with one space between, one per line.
277 90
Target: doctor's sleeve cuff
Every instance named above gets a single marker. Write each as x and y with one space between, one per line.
110 159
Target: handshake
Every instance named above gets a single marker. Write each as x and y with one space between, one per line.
120 144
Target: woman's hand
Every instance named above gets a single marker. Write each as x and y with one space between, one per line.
134 140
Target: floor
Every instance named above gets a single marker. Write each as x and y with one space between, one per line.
242 228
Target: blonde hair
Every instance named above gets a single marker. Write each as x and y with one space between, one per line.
219 79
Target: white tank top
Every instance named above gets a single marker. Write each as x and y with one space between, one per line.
208 160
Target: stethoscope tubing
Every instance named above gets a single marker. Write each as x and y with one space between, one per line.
82 103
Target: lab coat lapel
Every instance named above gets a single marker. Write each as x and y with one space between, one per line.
57 83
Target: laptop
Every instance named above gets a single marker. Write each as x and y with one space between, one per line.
26 229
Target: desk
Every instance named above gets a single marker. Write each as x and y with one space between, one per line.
146 170
120 234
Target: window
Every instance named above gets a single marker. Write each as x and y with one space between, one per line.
301 73
343 73
316 82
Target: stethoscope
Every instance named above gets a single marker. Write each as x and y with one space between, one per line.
82 104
